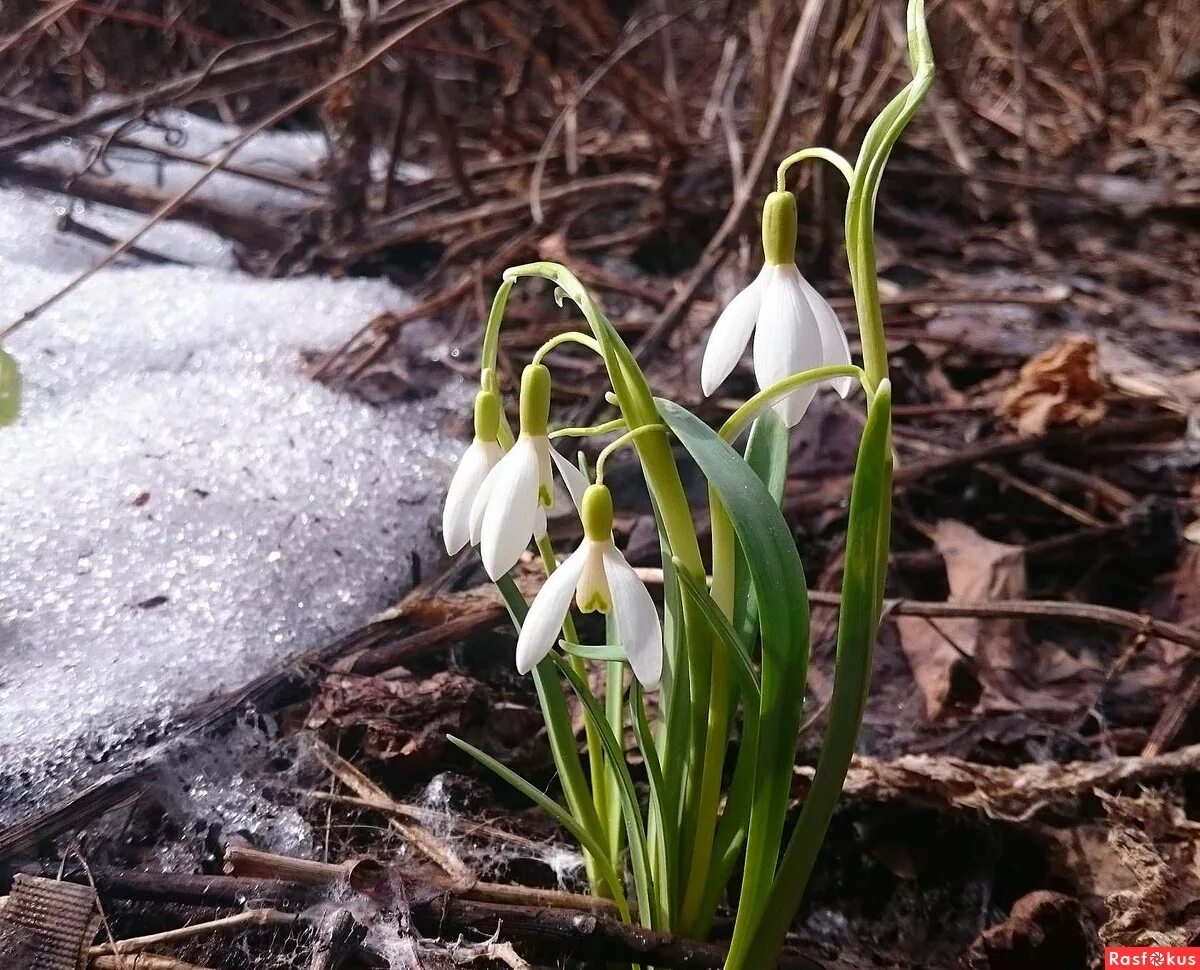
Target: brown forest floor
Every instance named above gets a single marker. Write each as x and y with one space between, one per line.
1027 786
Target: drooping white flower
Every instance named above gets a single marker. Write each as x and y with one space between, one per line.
794 328
599 579
509 506
473 467
476 462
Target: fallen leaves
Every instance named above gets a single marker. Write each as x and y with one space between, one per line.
402 721
1130 859
1061 385
988 664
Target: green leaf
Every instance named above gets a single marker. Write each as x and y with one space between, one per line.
639 856
781 594
10 389
767 452
767 455
865 568
558 724
555 811
614 704
719 622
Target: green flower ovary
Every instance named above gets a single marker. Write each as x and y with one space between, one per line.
779 228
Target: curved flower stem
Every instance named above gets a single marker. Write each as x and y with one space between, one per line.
873 156
608 427
744 416
491 336
759 933
587 808
627 438
807 154
571 336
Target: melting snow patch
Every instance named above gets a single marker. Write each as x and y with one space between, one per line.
181 508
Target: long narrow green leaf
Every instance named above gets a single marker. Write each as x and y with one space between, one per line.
10 389
671 726
662 800
719 622
767 452
558 726
858 624
782 596
558 813
614 709
767 455
639 856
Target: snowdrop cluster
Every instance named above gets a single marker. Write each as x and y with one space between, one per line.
729 653
498 499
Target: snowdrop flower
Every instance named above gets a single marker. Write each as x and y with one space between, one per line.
473 467
510 505
794 328
597 576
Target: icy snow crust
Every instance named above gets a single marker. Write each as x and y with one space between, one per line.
181 508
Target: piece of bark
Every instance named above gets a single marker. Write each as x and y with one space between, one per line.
1044 929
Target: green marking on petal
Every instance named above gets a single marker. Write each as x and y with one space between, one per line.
596 603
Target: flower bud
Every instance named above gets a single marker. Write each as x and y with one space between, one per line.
779 228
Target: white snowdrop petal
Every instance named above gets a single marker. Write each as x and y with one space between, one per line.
637 619
540 526
786 341
835 348
731 333
511 512
480 502
572 477
540 631
472 469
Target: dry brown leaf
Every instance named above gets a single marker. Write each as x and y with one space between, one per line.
1135 376
403 721
1059 386
989 664
943 653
